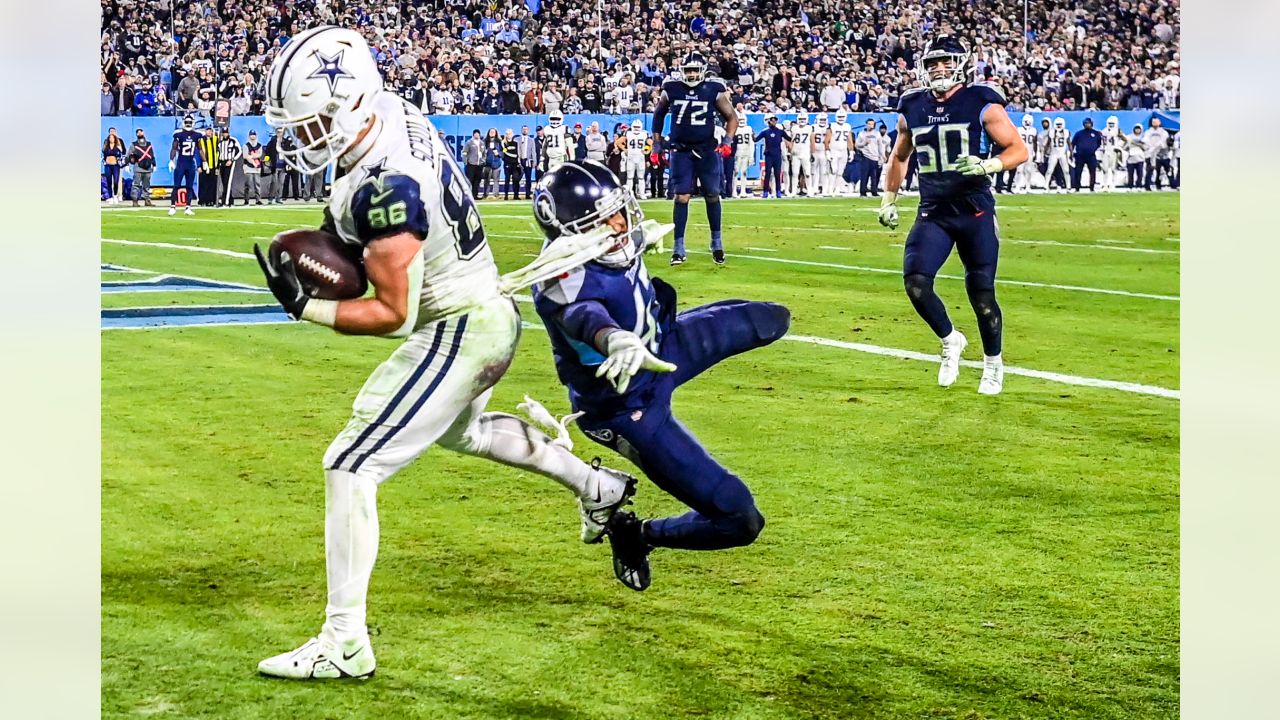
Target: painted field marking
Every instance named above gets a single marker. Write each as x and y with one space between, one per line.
177 246
760 249
831 247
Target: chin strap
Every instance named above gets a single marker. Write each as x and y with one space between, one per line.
543 418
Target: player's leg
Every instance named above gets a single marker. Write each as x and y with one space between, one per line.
927 247
682 179
706 335
710 170
978 244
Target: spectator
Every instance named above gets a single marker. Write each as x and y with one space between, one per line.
527 150
252 168
492 162
511 165
112 158
473 154
107 107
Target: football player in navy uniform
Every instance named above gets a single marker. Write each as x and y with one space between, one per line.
696 157
622 350
949 125
184 156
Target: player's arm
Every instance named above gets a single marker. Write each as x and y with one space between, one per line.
660 111
903 147
724 104
393 265
625 353
998 126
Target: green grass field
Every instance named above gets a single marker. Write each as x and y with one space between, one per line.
930 553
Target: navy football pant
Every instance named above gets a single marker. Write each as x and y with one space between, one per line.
723 513
870 177
1077 173
184 176
972 229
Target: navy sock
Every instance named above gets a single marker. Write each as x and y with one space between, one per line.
713 220
681 219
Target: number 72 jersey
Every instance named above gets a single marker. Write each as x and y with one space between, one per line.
945 131
408 181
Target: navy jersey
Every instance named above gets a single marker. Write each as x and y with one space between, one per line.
187 142
692 110
773 137
943 131
578 305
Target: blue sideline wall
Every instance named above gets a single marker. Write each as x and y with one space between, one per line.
458 128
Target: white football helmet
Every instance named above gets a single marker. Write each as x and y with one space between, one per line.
320 93
1113 122
842 117
821 119
637 124
1059 123
555 120
803 119
1027 121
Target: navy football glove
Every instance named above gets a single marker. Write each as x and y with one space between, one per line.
282 279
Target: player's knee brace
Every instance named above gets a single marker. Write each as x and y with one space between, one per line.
918 286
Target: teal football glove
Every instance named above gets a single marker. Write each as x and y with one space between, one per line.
888 215
974 165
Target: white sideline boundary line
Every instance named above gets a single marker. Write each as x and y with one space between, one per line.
1135 388
1023 283
178 246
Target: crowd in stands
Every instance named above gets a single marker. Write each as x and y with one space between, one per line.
165 57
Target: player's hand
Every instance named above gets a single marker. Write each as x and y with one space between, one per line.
172 165
888 215
282 279
627 355
974 165
725 150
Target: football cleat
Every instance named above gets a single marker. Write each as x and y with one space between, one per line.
677 259
613 490
322 659
173 210
188 211
718 256
952 346
992 375
630 551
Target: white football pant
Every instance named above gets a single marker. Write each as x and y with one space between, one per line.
801 165
635 175
836 176
741 165
1056 161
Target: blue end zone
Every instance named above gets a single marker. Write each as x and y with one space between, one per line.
192 315
175 283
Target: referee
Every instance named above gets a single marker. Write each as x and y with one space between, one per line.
228 153
208 188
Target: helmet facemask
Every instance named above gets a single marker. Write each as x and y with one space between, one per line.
629 238
693 71
941 71
319 139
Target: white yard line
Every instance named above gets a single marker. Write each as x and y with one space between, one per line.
760 249
1128 387
898 271
831 247
176 246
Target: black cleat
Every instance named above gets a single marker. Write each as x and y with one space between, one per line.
677 259
718 256
630 551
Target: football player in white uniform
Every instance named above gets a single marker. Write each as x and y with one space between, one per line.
1112 152
1059 150
838 151
637 138
1026 171
787 158
555 141
802 155
745 139
821 170
400 197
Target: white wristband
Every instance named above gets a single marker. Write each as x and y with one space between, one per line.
321 312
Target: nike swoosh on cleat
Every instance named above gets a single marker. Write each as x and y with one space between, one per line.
348 657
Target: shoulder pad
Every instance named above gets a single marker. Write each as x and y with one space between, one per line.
909 96
388 205
562 290
990 92
720 85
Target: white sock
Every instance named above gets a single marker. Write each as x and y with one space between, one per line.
351 547
994 359
953 337
511 441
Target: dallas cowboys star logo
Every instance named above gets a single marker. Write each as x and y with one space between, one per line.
373 173
330 69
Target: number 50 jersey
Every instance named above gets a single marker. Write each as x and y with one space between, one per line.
408 181
943 131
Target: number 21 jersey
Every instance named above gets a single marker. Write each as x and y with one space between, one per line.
943 131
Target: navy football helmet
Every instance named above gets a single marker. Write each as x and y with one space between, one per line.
188 123
579 197
942 77
694 68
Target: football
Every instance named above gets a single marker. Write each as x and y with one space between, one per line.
328 268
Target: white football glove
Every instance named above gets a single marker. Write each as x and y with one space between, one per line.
627 355
172 165
974 165
889 210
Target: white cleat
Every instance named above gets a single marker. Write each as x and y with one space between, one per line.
613 490
173 210
322 659
952 346
188 211
992 375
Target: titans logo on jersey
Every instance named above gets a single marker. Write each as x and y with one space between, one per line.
693 110
943 131
632 299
